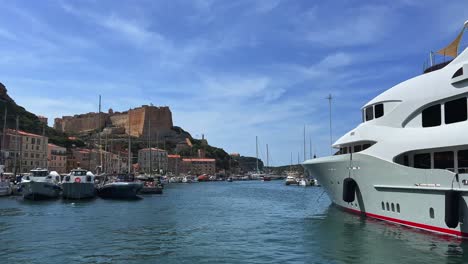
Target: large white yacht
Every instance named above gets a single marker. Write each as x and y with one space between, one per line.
79 184
407 163
41 184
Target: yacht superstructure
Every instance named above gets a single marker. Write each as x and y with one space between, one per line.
79 184
407 162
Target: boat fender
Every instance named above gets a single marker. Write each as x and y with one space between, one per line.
349 190
452 201
77 180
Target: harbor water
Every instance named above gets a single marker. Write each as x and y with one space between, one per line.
216 222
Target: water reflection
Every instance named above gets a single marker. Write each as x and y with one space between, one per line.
348 238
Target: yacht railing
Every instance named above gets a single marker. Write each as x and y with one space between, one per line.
436 62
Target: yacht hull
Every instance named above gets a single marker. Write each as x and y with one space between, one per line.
120 190
392 192
75 190
40 190
151 190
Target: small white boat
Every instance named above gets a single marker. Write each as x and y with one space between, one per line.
41 184
5 185
79 184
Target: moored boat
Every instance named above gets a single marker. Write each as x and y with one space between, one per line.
121 188
41 184
407 162
79 184
150 185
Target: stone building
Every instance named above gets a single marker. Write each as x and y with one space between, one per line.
137 122
57 158
174 163
28 151
198 166
152 160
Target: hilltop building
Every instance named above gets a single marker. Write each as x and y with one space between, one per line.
136 122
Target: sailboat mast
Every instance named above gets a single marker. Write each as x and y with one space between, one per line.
268 159
17 144
99 133
304 143
310 146
3 136
256 150
329 98
129 146
149 146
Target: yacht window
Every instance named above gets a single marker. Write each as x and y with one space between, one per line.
357 148
379 111
431 116
463 161
369 113
344 150
455 111
406 160
422 161
444 160
459 72
365 146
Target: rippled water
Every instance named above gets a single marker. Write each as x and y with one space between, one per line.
220 222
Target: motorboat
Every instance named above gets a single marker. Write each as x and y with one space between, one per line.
151 185
79 184
407 162
41 184
121 187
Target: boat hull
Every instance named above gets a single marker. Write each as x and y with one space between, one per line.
75 190
392 192
5 189
40 190
120 190
151 190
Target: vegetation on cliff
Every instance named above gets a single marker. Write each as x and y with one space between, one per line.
29 122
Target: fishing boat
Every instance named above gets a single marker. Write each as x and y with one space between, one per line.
407 162
79 184
41 184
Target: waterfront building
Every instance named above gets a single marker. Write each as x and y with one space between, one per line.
198 166
174 162
152 159
57 158
24 151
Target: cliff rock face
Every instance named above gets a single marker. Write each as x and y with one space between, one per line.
4 95
137 122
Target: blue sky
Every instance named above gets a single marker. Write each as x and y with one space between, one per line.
231 70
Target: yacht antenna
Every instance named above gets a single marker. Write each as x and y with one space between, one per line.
329 98
99 133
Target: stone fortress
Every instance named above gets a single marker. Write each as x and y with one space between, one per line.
136 122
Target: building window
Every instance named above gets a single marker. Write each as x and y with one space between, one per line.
462 161
431 116
455 111
379 110
444 160
369 113
422 161
33 140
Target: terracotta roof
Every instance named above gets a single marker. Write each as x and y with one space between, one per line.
173 156
211 160
23 133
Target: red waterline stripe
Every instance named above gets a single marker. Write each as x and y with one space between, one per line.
412 224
